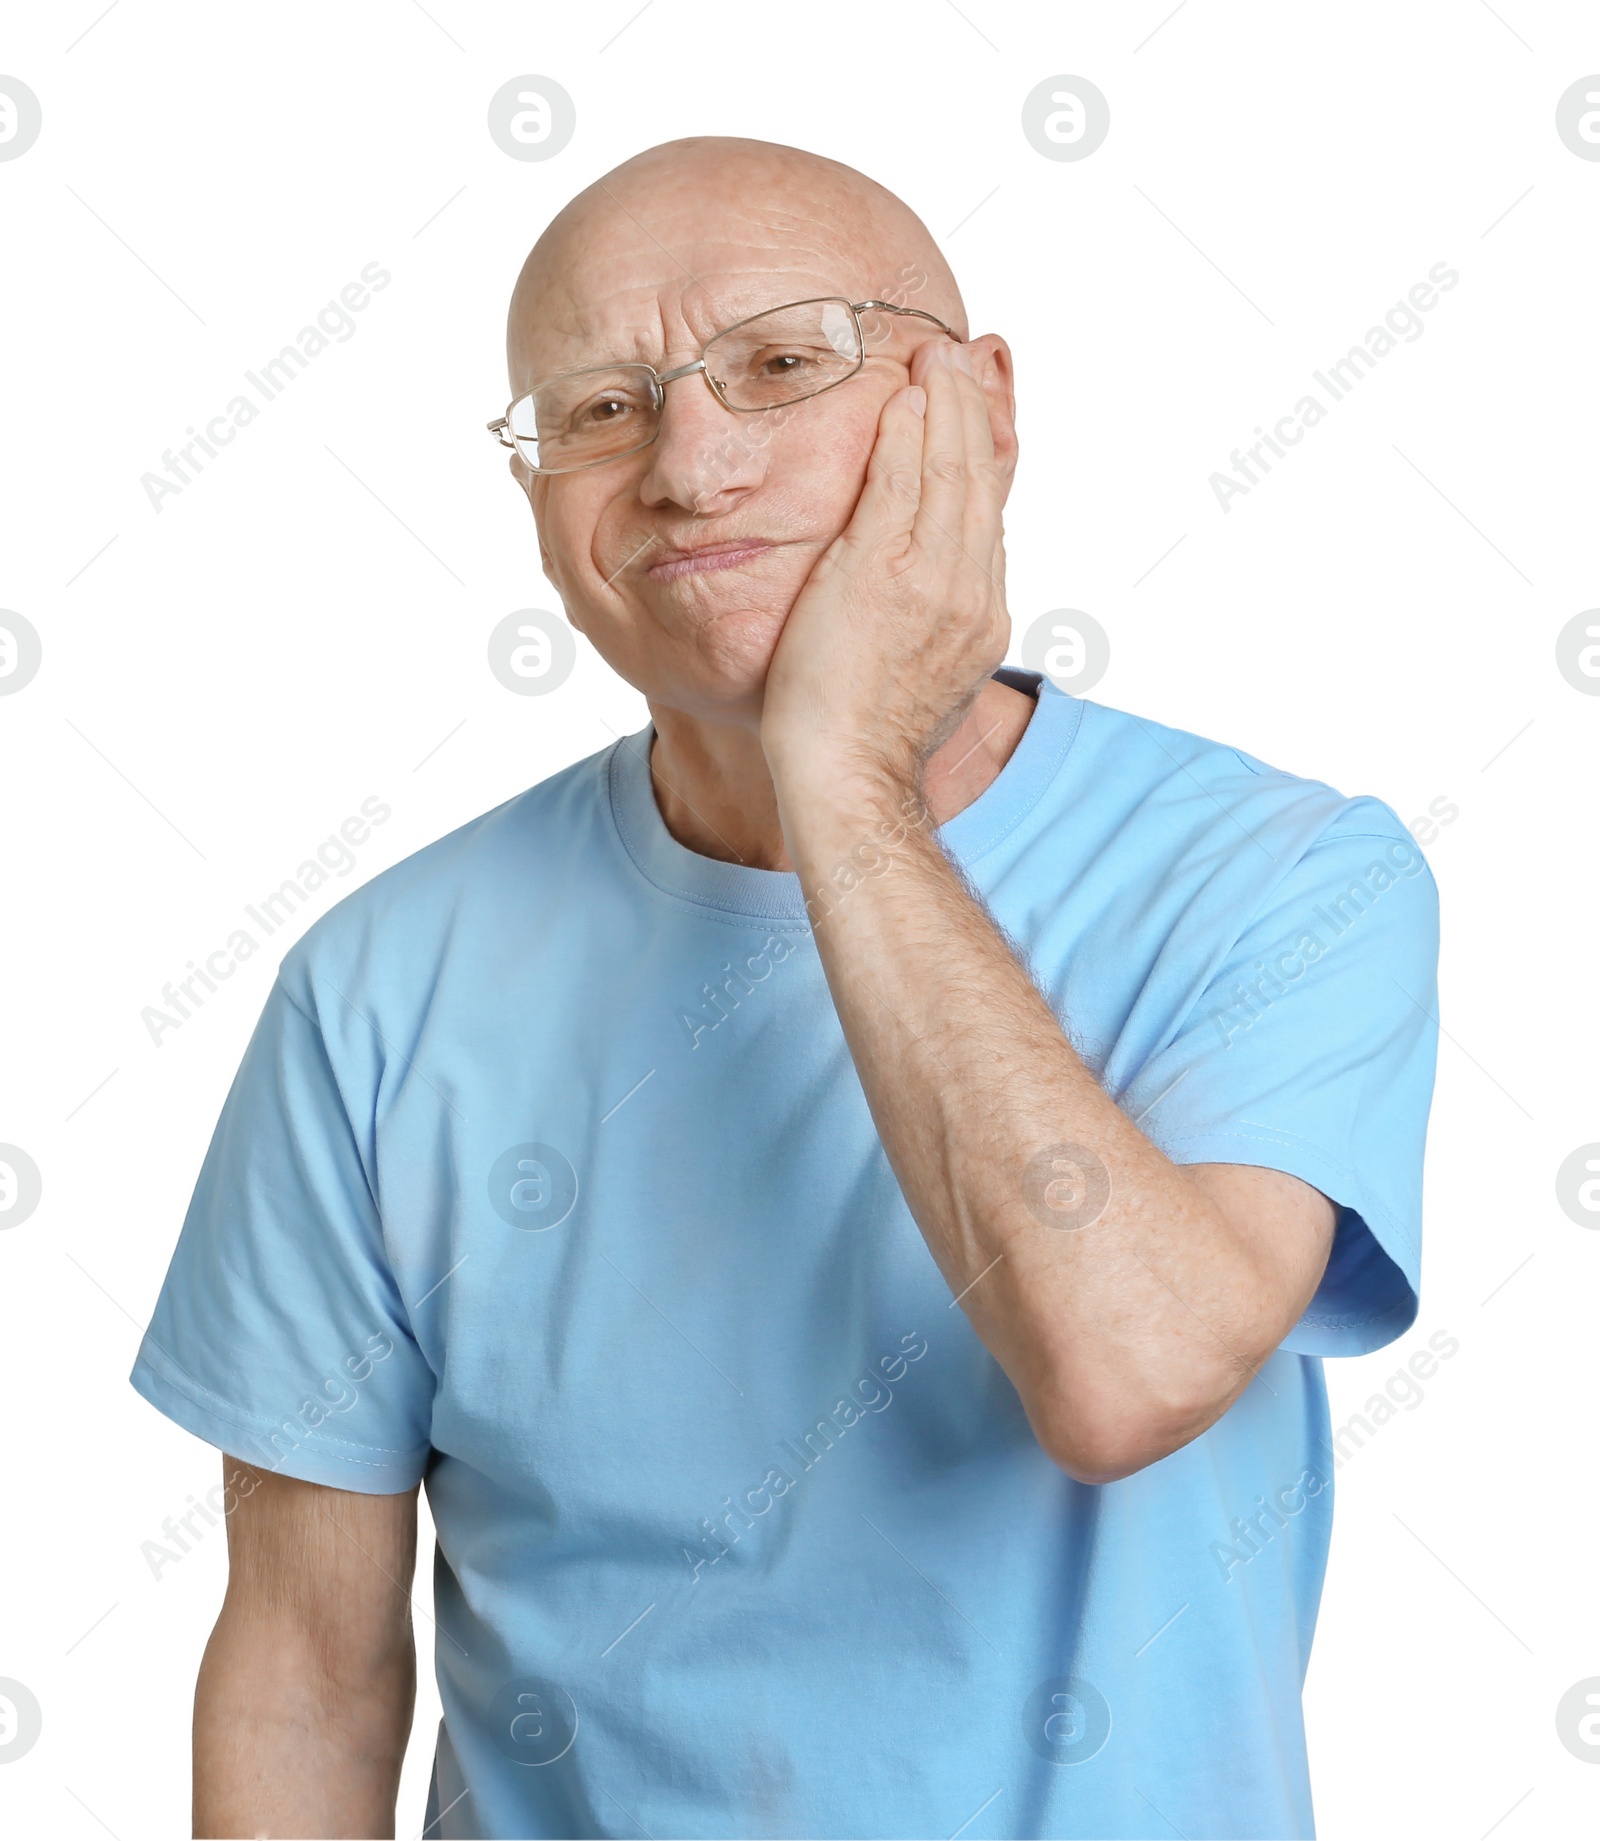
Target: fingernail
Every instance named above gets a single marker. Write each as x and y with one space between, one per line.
917 397
958 358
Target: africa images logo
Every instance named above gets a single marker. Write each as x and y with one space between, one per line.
1403 322
868 1394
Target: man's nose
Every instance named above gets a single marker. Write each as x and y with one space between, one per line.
705 456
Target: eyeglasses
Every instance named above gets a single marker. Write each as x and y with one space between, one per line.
784 355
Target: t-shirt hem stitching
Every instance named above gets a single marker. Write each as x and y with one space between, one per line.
1371 1211
219 1408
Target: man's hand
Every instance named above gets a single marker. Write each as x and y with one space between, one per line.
903 618
1129 1337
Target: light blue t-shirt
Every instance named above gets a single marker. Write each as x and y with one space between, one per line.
547 1178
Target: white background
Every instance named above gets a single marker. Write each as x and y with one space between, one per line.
305 624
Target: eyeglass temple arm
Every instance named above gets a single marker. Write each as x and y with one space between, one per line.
498 428
888 306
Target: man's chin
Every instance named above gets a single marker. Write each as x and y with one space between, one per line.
732 629
736 650
730 652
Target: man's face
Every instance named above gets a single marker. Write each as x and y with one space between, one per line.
681 562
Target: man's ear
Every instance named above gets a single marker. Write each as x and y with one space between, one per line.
991 365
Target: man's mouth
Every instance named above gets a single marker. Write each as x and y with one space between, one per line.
673 563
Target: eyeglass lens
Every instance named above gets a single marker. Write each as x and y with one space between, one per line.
775 358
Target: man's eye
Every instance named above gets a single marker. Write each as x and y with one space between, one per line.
783 364
600 412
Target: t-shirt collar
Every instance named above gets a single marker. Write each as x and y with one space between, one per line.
775 895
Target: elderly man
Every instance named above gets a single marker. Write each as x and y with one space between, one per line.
840 1195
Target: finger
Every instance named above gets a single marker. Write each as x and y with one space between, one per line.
981 501
965 521
985 497
941 511
889 499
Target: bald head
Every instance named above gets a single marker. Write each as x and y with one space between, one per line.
708 229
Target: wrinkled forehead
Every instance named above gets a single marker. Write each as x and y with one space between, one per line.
654 279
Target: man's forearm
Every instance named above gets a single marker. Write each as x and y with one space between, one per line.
289 1741
1135 1327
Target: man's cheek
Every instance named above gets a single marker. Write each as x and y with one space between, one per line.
851 439
574 538
826 478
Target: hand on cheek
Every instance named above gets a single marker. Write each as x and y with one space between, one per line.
903 617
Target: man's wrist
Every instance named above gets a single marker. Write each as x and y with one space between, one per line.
836 798
853 782
848 825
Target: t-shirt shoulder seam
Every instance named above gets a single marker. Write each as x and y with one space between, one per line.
281 984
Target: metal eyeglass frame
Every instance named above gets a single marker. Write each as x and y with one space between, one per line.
660 379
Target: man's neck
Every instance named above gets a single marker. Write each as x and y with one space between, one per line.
716 796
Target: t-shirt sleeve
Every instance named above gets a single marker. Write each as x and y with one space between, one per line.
1311 1050
280 1335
